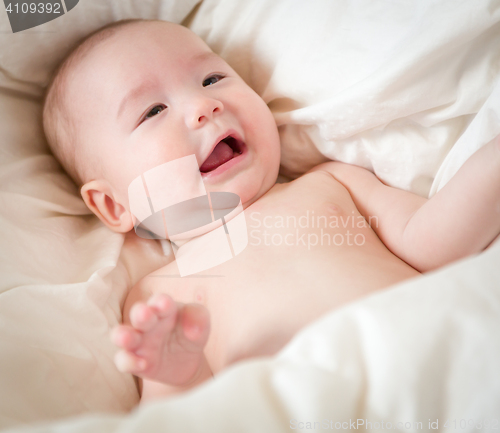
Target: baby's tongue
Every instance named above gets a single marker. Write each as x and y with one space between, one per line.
221 154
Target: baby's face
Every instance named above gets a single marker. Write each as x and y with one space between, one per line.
154 93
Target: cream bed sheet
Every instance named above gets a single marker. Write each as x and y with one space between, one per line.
406 89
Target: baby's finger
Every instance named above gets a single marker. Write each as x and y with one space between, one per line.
163 304
125 337
143 317
194 326
127 362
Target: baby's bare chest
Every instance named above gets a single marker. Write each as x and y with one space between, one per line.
290 228
308 251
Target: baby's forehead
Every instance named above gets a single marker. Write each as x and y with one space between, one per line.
147 33
158 39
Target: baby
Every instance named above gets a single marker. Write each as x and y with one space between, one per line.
141 93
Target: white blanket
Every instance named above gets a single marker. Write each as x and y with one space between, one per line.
408 89
390 86
423 352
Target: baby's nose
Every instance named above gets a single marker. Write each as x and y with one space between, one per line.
203 110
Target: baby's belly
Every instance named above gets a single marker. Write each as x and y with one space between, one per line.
301 261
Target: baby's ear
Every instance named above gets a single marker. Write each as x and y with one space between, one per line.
99 198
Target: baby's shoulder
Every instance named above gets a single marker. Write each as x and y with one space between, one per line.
316 180
319 186
309 189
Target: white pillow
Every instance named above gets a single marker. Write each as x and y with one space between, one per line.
390 88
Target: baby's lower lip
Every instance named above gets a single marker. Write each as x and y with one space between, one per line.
215 174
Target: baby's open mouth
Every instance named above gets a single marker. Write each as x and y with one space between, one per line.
225 150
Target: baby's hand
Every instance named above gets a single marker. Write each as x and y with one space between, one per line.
165 342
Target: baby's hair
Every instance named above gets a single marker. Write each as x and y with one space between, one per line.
59 128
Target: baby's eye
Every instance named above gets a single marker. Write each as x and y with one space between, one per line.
157 109
212 79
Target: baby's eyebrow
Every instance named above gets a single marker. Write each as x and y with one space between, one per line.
134 94
206 55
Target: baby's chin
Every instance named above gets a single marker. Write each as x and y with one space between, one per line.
208 228
207 213
203 230
250 184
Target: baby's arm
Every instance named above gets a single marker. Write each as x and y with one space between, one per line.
461 219
162 343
